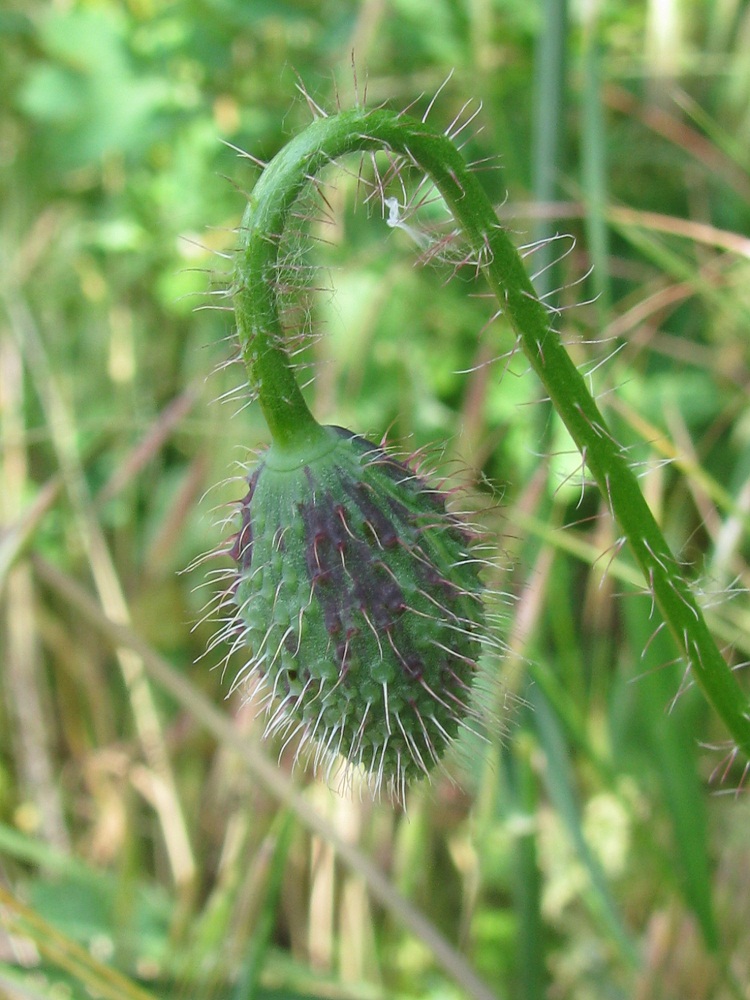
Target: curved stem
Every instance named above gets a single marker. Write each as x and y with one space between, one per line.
291 422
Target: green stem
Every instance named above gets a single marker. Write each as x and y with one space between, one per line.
292 425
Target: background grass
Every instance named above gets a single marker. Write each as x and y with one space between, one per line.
149 845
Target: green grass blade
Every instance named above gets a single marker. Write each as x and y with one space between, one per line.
559 780
666 724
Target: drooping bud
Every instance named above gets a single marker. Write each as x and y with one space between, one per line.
361 606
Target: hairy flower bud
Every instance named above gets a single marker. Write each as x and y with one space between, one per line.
361 606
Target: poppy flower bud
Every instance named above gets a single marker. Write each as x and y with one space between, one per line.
361 606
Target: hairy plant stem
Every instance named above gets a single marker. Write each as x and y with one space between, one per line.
293 427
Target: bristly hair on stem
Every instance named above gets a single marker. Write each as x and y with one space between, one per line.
326 649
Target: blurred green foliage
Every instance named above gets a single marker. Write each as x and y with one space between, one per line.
587 854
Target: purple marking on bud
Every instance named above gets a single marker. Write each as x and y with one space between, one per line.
242 545
331 618
414 666
382 530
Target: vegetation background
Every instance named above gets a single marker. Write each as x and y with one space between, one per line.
150 846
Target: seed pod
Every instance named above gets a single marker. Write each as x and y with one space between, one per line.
361 606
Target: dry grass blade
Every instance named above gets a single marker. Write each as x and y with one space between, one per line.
61 424
15 537
151 443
